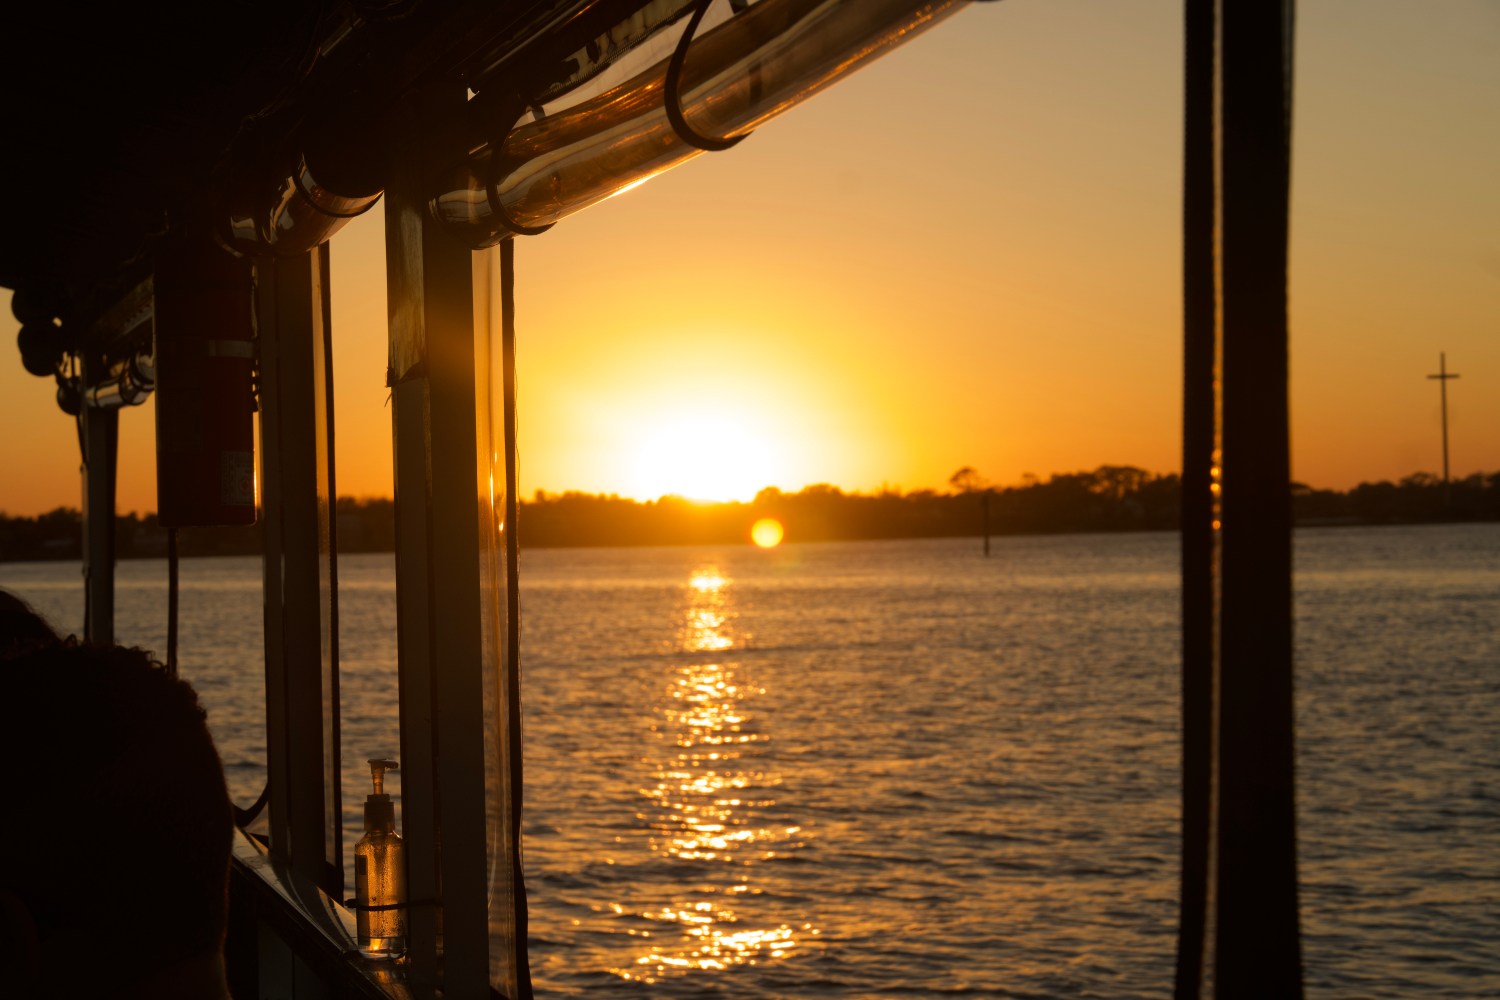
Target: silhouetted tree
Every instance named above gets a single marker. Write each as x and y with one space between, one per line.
967 480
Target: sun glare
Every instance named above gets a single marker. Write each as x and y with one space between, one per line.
702 458
767 533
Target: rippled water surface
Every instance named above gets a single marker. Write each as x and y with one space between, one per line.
899 769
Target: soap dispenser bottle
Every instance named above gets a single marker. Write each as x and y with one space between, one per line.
380 874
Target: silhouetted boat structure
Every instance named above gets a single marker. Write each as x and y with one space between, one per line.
147 141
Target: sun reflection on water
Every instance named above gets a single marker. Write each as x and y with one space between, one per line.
713 943
709 580
711 806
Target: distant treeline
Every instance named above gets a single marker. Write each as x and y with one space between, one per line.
1110 498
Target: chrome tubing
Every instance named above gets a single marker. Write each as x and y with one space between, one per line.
763 60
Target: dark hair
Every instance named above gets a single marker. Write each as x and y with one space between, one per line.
21 628
118 826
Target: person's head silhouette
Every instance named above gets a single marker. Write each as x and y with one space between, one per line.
21 628
115 849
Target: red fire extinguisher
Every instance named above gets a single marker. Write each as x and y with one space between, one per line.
205 388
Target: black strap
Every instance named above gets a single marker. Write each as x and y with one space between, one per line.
510 109
672 96
244 817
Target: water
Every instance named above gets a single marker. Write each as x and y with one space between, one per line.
898 769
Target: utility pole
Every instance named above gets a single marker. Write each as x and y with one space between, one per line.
1443 376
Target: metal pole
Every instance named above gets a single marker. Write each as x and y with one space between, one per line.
984 509
1443 376
297 496
1443 393
1199 439
1257 944
101 434
466 920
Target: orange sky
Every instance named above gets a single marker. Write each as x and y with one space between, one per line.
967 254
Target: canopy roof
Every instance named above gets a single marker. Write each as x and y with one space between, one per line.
137 118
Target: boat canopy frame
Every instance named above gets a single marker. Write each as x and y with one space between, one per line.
451 312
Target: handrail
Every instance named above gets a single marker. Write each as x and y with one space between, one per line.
271 898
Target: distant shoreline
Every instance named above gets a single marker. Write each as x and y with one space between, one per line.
1106 500
1319 523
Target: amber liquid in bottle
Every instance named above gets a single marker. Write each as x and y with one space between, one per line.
380 875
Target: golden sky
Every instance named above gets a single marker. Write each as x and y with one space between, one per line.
967 254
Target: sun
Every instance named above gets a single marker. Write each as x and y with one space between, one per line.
702 457
767 533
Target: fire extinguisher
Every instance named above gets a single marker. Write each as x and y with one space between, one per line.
205 389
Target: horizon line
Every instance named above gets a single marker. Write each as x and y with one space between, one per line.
883 491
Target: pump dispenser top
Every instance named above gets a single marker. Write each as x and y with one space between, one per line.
380 812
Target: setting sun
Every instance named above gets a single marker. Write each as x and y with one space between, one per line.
702 457
767 533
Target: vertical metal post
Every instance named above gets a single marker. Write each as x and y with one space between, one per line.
465 934
1199 434
297 489
1257 951
1239 878
100 434
506 878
